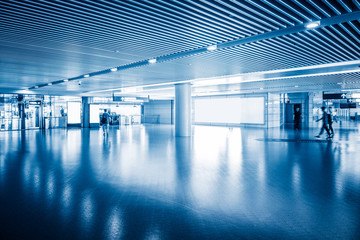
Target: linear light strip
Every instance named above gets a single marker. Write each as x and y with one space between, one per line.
240 78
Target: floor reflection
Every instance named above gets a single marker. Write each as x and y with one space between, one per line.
143 183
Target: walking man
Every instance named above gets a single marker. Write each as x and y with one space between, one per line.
324 119
331 119
297 118
105 123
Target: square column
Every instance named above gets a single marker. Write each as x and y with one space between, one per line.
86 112
183 110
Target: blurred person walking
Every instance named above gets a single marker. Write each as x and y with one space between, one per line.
331 119
325 123
105 123
297 119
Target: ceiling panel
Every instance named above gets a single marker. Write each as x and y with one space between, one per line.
48 41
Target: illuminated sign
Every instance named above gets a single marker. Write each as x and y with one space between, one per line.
38 102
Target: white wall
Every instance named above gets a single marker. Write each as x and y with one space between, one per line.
158 112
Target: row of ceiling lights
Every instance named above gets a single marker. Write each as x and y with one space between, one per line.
150 61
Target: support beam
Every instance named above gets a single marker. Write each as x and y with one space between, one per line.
183 110
86 112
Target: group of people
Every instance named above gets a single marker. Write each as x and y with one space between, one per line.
327 120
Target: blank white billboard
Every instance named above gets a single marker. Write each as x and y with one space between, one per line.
94 113
74 112
233 110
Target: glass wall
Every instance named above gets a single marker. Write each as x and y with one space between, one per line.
120 114
60 111
9 112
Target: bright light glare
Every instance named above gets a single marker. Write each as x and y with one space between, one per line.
86 75
152 60
355 95
113 69
312 24
212 48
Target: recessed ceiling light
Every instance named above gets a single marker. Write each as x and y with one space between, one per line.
261 88
113 69
152 60
296 86
86 75
312 24
339 83
49 84
212 48
36 86
66 80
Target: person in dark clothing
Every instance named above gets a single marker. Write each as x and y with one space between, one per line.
324 119
297 119
105 123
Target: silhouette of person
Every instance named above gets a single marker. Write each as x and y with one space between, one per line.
324 119
297 118
105 122
331 119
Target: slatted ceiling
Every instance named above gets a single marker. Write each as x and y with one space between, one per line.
350 32
334 44
289 45
306 44
211 27
140 30
242 15
156 20
222 15
277 58
343 37
190 20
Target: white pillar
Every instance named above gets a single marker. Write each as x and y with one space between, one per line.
183 110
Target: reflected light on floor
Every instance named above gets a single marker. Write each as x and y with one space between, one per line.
87 211
114 225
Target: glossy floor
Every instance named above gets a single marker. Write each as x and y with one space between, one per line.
143 183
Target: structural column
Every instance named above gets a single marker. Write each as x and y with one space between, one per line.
86 112
22 114
183 110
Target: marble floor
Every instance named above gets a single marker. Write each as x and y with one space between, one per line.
141 182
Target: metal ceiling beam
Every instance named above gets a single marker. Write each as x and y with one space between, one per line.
238 42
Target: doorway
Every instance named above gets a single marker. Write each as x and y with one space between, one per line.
33 116
290 109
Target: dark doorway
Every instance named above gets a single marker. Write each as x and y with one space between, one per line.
290 110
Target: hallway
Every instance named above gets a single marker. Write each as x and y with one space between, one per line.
143 183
